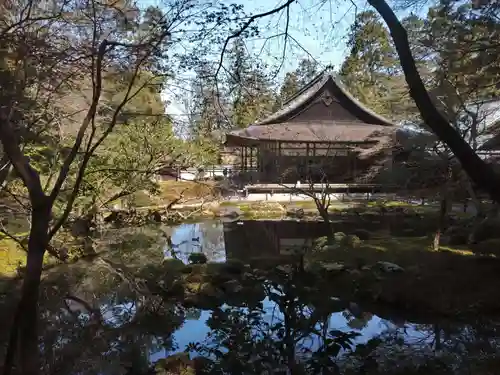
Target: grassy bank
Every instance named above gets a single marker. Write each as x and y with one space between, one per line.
453 281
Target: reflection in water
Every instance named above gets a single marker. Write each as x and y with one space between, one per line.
128 317
240 239
206 237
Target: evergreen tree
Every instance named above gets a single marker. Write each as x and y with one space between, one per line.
208 110
256 99
295 80
239 69
248 86
306 71
371 70
290 86
466 48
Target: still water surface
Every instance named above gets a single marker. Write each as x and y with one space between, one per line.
220 241
141 328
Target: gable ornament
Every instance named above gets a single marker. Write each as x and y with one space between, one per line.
327 98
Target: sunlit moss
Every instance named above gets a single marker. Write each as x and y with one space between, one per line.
170 190
11 257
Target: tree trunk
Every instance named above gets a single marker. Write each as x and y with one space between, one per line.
473 197
444 207
323 212
289 342
437 336
24 331
480 172
443 211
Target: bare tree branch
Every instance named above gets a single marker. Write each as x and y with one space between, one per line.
97 88
246 25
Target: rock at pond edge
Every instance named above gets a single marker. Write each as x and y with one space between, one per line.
389 267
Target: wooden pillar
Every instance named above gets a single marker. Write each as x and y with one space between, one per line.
245 153
251 158
242 155
258 162
279 161
353 165
307 164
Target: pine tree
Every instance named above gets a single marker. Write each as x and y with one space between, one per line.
209 109
306 71
371 69
248 86
295 80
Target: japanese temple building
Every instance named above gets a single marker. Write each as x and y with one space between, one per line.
320 132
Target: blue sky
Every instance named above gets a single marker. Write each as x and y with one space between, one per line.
318 30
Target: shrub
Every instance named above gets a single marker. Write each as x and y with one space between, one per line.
339 236
352 241
362 234
197 258
173 264
487 230
234 266
320 242
491 246
457 239
141 199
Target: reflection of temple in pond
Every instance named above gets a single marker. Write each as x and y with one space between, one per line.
248 239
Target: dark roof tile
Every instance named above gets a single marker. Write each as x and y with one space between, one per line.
312 132
322 111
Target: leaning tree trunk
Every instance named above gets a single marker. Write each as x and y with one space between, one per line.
24 332
480 172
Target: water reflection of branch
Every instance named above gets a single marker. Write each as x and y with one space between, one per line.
94 313
137 285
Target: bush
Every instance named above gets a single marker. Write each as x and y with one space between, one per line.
173 264
320 242
234 266
487 230
457 235
457 239
339 236
141 199
352 241
197 258
187 269
362 234
491 246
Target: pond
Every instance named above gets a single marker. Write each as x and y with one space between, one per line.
221 241
141 304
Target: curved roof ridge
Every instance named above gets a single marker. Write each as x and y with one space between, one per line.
341 86
297 100
310 90
315 80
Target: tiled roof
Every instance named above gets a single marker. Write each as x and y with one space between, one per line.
321 111
322 86
313 132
